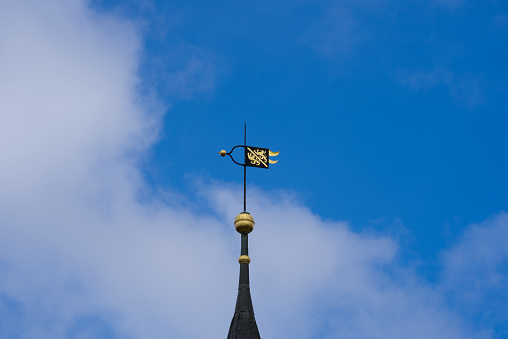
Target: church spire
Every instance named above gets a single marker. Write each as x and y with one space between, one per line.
243 324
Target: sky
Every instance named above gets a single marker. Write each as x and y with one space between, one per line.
385 217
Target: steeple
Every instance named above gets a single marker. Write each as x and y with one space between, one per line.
243 324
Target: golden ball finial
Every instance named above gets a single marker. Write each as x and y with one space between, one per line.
223 153
244 259
244 223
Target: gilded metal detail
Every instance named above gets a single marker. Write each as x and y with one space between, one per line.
272 154
254 156
244 223
258 157
244 259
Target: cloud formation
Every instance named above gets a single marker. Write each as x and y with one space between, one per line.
335 34
466 89
84 254
475 272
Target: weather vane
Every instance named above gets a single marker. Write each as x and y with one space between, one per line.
253 157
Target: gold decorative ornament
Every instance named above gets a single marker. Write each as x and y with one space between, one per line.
272 154
258 157
244 259
222 153
244 223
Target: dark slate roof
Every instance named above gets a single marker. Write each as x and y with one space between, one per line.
243 325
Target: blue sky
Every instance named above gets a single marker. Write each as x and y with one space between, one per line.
384 217
398 106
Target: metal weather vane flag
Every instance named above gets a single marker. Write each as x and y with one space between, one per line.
253 157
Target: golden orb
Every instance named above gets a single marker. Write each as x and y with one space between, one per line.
244 259
223 153
244 223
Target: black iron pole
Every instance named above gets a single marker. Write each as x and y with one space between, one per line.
245 170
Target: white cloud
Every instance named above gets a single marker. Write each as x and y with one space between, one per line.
466 89
475 273
318 279
82 257
183 73
452 4
501 22
336 34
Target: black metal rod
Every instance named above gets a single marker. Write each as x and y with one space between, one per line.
245 244
245 170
